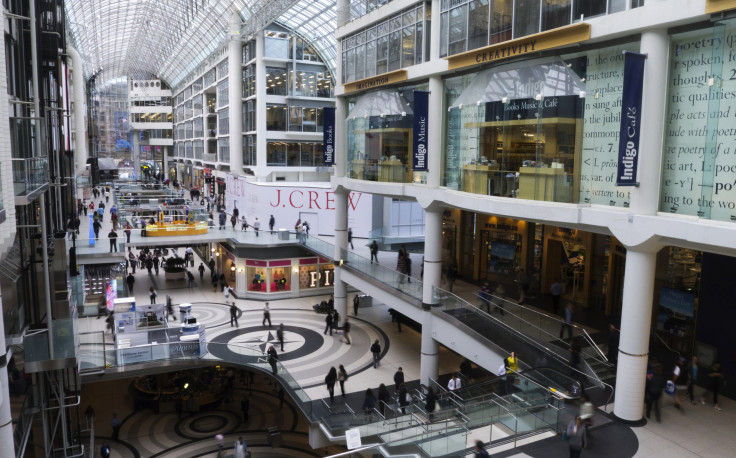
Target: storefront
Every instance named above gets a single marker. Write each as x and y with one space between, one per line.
380 132
291 273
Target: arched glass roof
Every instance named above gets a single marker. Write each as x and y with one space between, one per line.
168 39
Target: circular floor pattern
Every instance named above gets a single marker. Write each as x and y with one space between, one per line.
239 344
308 352
206 424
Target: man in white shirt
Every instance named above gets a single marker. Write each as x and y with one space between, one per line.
454 384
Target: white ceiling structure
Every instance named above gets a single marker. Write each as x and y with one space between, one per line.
168 39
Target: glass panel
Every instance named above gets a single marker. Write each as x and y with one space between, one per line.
370 58
407 47
222 93
276 117
589 8
526 17
382 55
309 123
478 24
275 81
394 51
295 119
458 30
555 13
614 6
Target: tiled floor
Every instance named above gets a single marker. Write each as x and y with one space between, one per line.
695 431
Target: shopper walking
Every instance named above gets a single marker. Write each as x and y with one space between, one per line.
512 366
241 448
330 380
234 315
369 403
555 290
346 330
280 335
350 238
384 397
577 437
96 228
715 381
153 294
271 222
266 315
201 271
233 220
376 351
243 224
342 376
256 226
404 398
131 282
356 304
128 230
132 261
105 450
654 387
567 324
113 236
115 424
398 378
328 323
273 358
680 378
221 219
431 403
374 252
692 378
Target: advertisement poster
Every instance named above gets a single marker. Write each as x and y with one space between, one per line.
289 202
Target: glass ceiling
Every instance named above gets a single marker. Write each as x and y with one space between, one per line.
168 39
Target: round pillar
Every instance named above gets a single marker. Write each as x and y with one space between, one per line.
633 349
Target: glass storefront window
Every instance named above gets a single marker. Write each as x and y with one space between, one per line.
280 279
516 140
308 276
257 279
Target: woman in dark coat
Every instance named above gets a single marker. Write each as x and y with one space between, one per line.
330 380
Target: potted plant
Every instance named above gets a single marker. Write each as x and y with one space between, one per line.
175 268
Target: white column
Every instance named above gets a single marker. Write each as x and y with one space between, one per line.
261 158
636 315
79 111
341 143
633 349
436 32
235 96
341 243
429 361
644 198
436 117
343 14
165 162
137 154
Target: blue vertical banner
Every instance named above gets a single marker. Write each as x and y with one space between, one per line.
628 146
328 136
421 114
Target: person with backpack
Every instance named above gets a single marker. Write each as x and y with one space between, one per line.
152 294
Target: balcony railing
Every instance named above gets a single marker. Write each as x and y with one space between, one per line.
29 174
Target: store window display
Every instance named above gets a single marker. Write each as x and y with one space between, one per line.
257 279
280 279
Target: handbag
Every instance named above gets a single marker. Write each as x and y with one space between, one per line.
565 436
408 397
669 388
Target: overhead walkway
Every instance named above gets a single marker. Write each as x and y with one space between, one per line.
487 336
